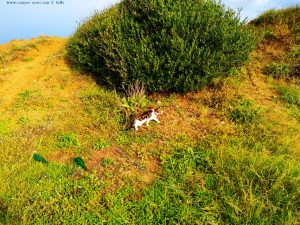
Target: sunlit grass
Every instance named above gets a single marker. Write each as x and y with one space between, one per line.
224 155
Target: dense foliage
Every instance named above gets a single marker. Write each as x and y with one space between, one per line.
169 45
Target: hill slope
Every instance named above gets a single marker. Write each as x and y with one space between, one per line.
227 154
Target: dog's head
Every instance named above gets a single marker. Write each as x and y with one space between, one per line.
158 111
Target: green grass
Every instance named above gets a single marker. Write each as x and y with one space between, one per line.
28 59
247 177
23 121
101 143
269 35
24 95
4 126
242 111
288 68
288 16
19 52
107 162
219 156
2 59
289 94
201 185
66 140
42 188
277 70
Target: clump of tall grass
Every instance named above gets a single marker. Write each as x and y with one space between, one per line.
288 69
242 111
294 59
277 70
133 101
289 94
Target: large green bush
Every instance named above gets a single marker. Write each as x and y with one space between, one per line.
169 45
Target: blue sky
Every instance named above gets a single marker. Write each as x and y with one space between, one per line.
19 21
253 8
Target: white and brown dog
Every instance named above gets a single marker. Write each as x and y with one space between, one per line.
146 117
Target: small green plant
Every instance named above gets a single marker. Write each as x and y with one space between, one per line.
133 104
33 45
277 70
29 59
242 111
106 162
295 53
269 34
24 95
134 101
23 121
294 60
234 72
4 126
289 94
18 48
136 98
7 57
29 98
140 165
122 139
101 143
66 140
23 48
2 59
81 150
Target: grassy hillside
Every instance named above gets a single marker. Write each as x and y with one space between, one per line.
228 154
